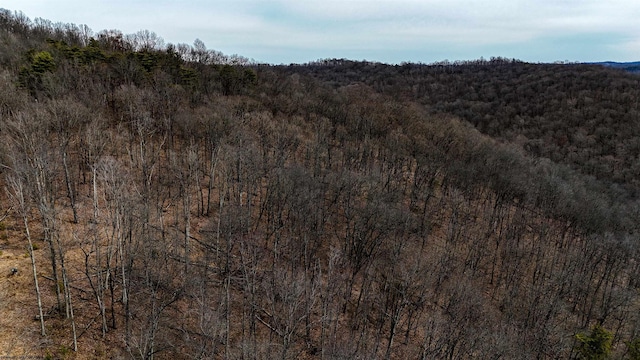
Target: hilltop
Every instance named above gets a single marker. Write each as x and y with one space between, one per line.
633 67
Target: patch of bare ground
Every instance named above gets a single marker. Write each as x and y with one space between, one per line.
19 319
19 330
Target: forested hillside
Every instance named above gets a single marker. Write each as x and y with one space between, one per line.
168 201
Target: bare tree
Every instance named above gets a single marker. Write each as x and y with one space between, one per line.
28 133
17 194
67 118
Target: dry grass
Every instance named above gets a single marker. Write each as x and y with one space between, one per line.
19 325
19 329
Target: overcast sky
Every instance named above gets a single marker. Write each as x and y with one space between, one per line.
391 31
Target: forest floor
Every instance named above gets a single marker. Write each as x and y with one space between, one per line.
19 327
20 335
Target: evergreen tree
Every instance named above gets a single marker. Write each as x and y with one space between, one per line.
596 345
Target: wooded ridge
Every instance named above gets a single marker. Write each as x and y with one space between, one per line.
173 202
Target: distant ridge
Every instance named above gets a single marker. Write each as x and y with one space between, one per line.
632 67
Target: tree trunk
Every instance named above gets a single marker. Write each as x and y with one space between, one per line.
18 196
70 192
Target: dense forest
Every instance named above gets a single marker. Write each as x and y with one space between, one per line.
169 201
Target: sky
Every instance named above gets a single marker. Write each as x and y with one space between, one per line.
389 31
